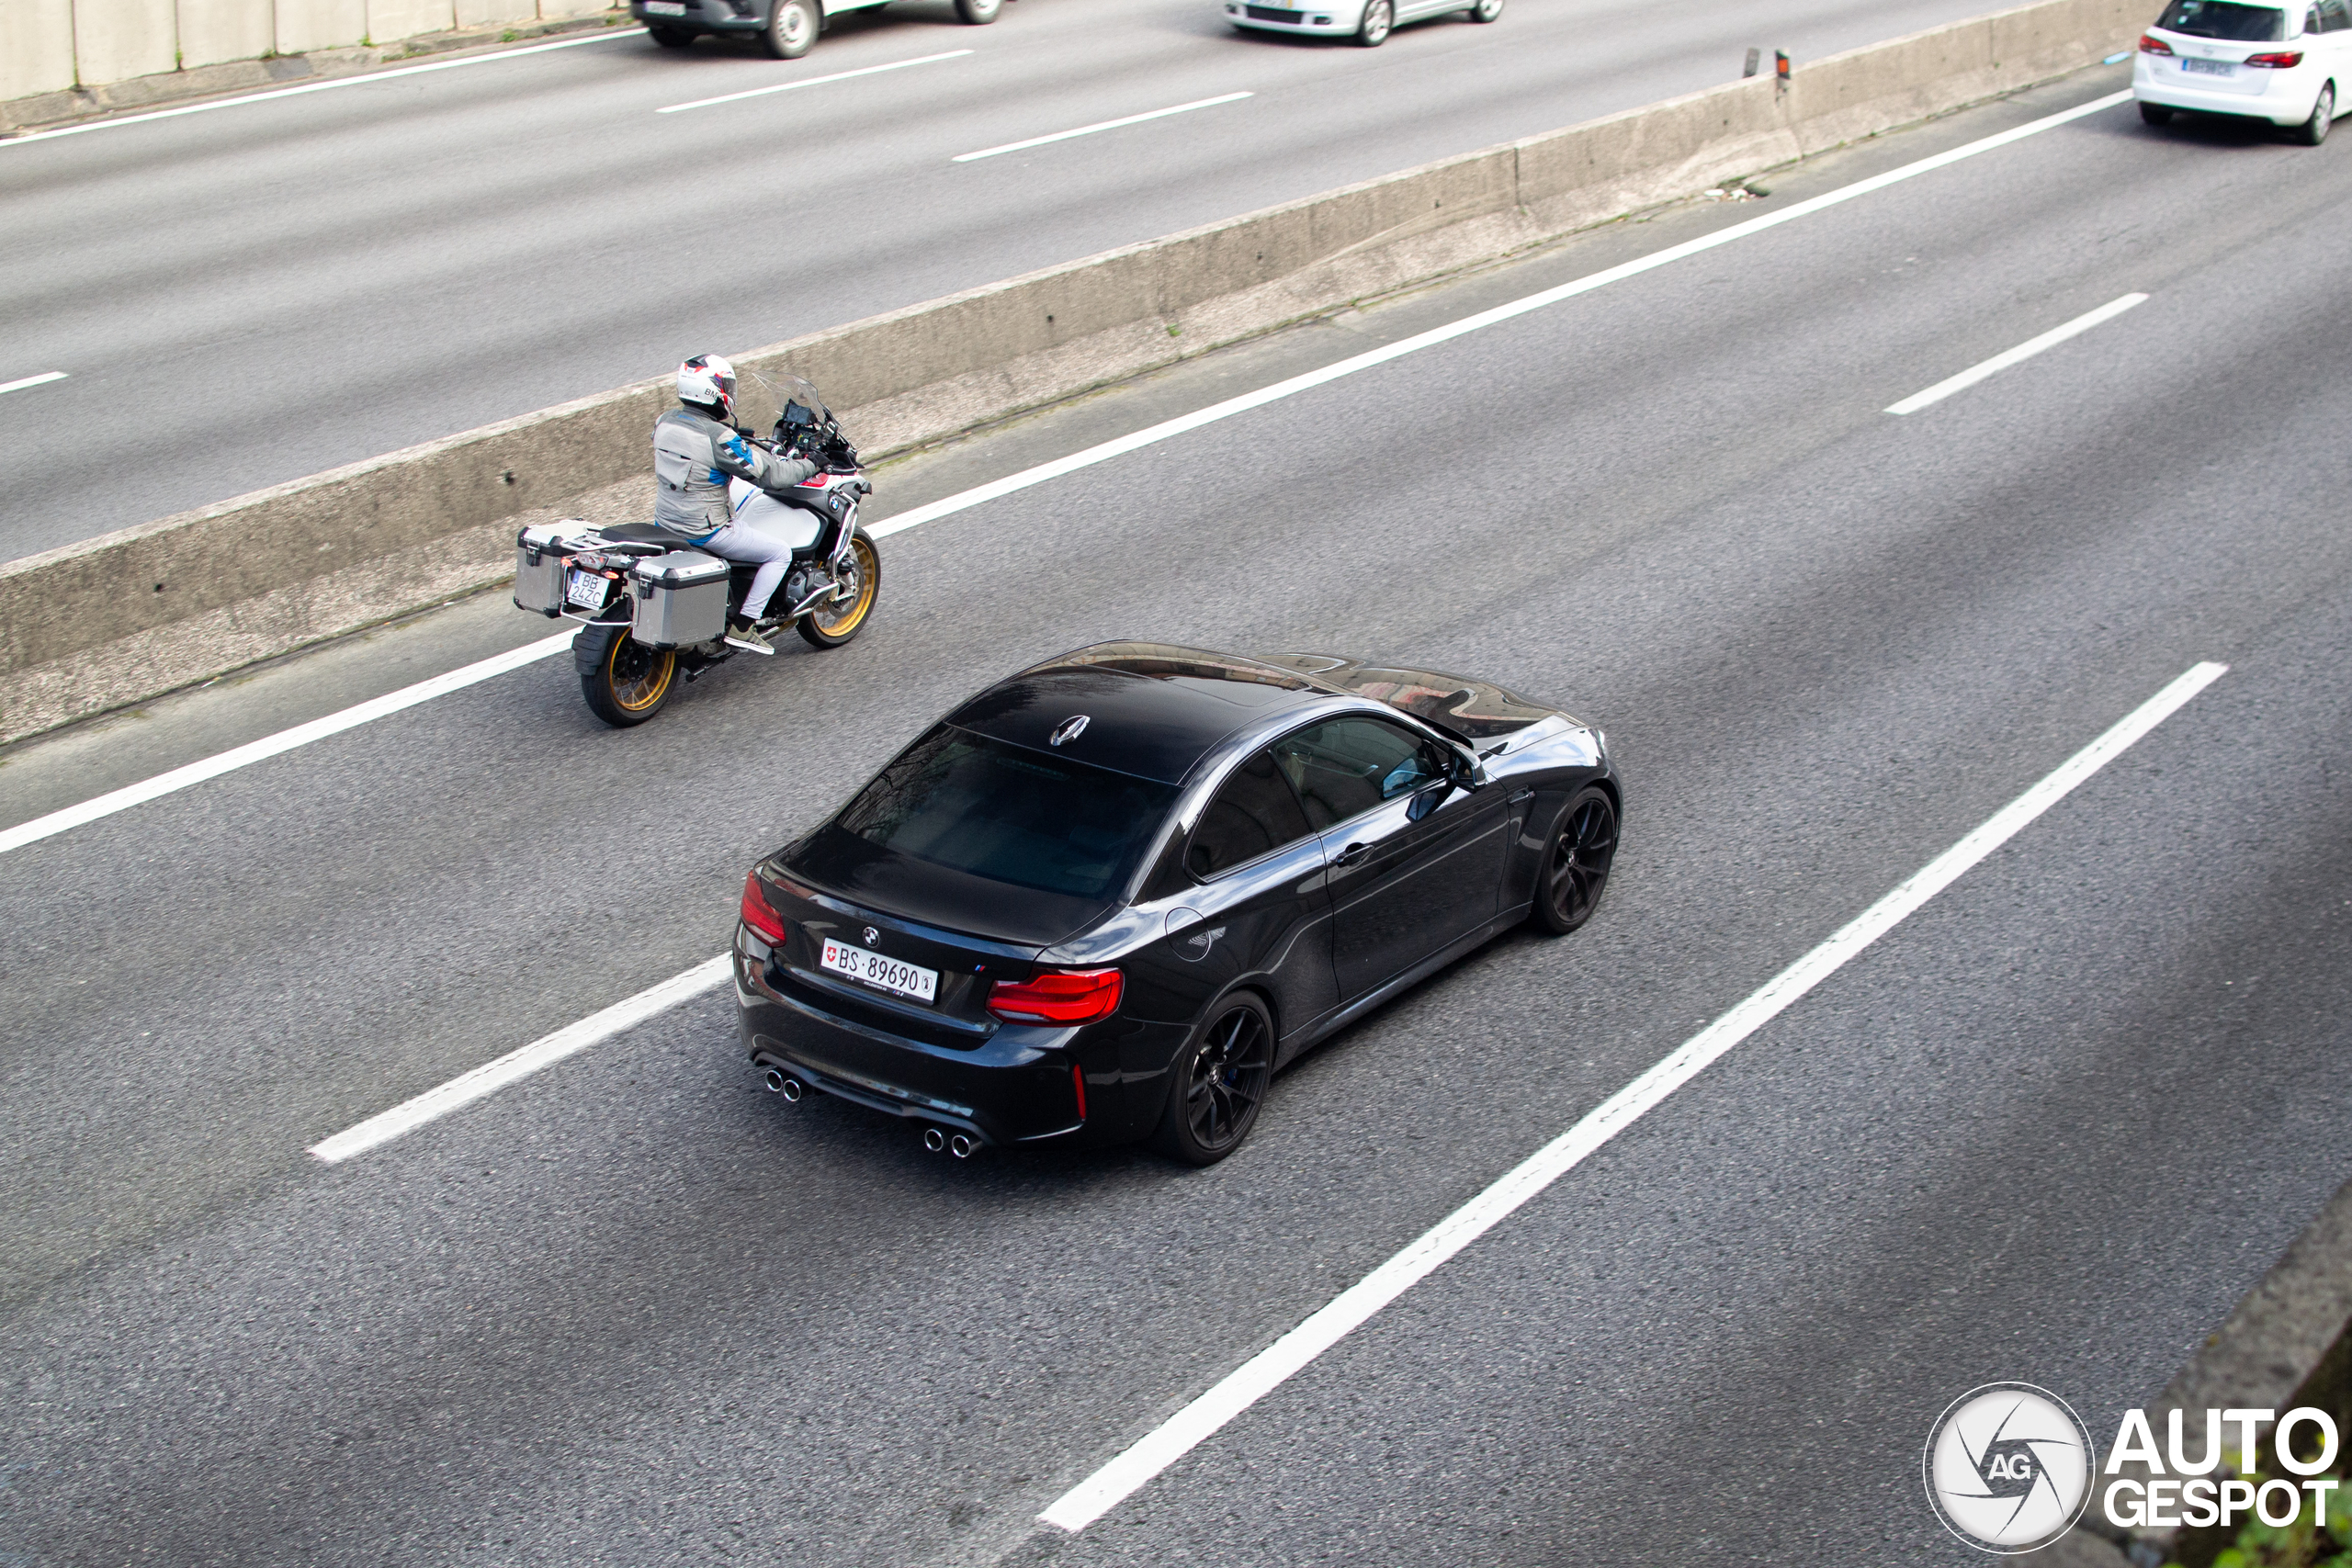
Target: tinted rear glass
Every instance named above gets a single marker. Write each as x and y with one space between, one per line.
2225 19
1253 813
1010 814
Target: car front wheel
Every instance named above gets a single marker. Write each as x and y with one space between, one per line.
792 27
978 13
1379 21
1486 10
1577 861
2314 129
1221 1077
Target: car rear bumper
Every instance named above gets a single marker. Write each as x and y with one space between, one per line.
2286 98
1328 21
1016 1085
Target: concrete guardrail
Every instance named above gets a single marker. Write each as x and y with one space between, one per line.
117 619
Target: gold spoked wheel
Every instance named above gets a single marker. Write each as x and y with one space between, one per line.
631 682
830 626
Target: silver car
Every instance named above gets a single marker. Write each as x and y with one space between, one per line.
1364 22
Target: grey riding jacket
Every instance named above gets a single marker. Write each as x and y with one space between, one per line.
694 457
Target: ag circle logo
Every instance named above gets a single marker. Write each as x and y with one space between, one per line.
2008 1467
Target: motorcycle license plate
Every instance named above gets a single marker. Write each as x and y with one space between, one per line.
586 590
2209 67
885 974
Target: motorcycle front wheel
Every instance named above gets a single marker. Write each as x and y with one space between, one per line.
624 682
835 624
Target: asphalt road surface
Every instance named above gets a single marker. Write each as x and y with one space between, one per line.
634 1310
252 293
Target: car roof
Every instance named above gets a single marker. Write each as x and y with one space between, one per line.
1152 709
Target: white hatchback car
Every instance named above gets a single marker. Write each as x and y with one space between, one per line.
2286 64
1367 22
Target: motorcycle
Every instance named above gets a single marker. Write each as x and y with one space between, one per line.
653 610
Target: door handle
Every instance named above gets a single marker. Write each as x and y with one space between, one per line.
1523 794
1352 854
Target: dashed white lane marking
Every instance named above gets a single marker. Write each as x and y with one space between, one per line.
2017 355
180 778
1101 125
43 380
1254 1379
360 80
811 82
491 1077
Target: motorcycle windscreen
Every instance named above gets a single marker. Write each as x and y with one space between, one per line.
756 508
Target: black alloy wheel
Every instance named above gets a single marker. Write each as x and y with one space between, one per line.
792 27
630 683
2156 114
1379 21
2314 129
1221 1077
670 38
1577 861
978 13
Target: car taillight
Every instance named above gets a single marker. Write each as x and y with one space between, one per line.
2284 60
1074 996
756 913
2153 45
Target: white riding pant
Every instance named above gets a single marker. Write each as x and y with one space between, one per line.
741 540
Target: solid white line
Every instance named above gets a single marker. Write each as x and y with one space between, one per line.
2024 351
284 741
181 777
43 380
491 1077
1107 1487
1090 130
1468 324
360 80
811 82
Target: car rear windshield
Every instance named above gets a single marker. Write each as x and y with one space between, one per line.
2225 19
1010 814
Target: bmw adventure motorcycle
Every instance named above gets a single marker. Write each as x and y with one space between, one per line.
653 610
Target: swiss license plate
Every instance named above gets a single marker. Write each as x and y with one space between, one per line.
585 589
664 9
2209 67
888 974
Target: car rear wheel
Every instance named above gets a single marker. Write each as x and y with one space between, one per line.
1486 10
2156 114
978 13
1379 21
833 625
1221 1077
2314 129
792 27
1577 863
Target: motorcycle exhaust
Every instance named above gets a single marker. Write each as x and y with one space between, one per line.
933 1139
790 1088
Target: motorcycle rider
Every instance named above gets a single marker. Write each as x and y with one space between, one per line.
696 449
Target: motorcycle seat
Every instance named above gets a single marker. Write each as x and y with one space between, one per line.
644 534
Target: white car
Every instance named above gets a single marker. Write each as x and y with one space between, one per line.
1367 22
2289 64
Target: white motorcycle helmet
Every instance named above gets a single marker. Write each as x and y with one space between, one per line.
708 379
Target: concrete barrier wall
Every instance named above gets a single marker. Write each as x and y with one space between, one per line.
55 46
112 620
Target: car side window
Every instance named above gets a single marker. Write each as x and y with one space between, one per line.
2335 16
1343 767
1254 812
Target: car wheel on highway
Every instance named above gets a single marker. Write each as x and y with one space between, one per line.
2314 129
670 38
2156 114
1577 861
792 27
1220 1079
830 628
1379 20
631 682
1486 10
978 12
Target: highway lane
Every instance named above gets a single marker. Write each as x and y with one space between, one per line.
253 294
634 1310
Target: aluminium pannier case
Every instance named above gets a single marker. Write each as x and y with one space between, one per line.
538 567
677 599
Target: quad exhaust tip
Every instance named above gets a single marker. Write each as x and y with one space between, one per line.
962 1145
778 1082
933 1139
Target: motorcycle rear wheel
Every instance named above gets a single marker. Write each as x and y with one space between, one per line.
629 683
835 624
